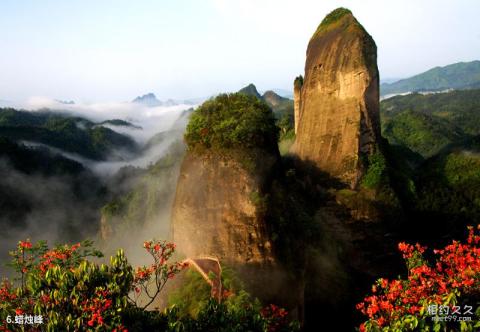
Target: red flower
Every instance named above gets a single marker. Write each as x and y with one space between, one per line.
457 270
25 244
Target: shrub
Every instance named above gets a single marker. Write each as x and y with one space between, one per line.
65 291
68 291
376 171
71 293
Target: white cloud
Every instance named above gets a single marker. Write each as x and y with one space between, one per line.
152 120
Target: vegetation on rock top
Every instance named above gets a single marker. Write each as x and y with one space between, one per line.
337 17
333 17
232 121
298 82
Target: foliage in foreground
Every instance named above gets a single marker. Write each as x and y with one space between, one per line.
60 289
438 296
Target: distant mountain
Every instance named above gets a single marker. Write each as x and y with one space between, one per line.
284 93
151 100
273 99
458 76
280 105
148 99
65 102
427 124
389 80
251 90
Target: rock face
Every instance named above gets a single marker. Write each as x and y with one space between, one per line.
338 115
218 210
220 204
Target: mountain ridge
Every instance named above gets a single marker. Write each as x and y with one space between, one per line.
459 75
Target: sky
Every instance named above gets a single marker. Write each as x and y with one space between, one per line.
115 50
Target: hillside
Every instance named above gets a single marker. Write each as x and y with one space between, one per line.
428 123
422 133
68 133
461 75
448 185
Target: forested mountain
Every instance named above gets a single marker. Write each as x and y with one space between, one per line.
428 123
68 133
461 75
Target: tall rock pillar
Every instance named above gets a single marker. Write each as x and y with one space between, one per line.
339 121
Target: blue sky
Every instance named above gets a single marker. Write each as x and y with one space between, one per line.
100 50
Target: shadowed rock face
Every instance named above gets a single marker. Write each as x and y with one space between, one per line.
338 123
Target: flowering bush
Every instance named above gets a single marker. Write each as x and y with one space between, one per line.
59 289
70 292
275 317
412 303
150 280
65 289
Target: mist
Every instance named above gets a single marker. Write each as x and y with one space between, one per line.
56 209
150 120
66 209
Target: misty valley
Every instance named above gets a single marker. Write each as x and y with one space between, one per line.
344 203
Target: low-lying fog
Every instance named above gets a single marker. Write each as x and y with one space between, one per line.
53 208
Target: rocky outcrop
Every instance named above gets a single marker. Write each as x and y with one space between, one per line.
227 200
297 90
220 203
219 207
338 116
